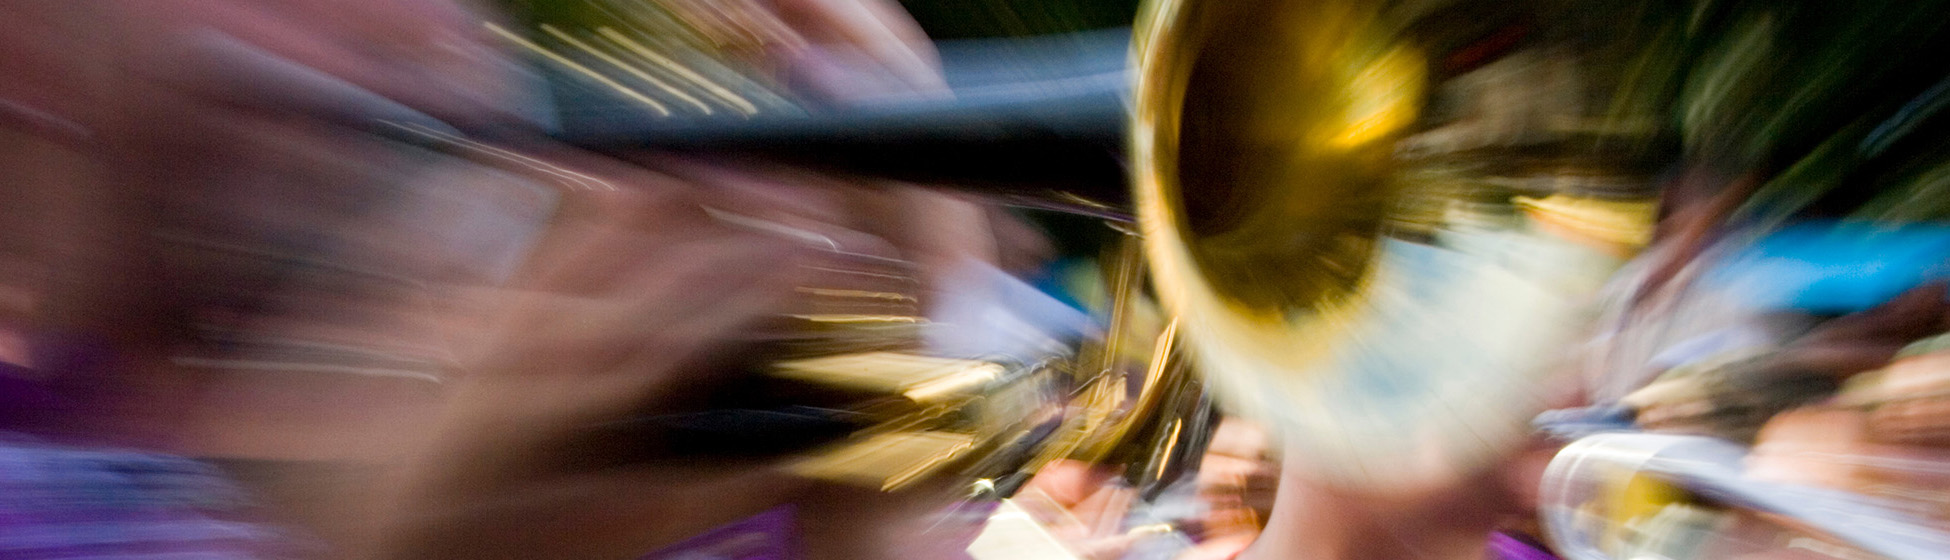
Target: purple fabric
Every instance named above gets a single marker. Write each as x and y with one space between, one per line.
73 356
23 400
67 380
65 495
61 501
766 536
1504 546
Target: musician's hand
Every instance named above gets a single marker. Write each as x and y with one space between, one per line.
628 305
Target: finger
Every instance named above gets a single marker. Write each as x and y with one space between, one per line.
678 340
649 338
794 280
820 210
603 276
585 253
693 277
757 186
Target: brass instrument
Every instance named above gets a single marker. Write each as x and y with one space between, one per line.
856 393
1327 191
1378 223
1296 188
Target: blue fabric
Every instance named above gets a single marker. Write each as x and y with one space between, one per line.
1835 268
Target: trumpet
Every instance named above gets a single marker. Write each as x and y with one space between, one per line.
1372 222
1306 187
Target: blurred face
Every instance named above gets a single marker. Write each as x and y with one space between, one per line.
293 283
254 226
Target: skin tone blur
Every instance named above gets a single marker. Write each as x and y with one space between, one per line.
1085 505
599 329
628 301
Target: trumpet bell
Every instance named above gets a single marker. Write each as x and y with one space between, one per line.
1336 228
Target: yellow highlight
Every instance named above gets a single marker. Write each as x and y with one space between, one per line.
626 67
1384 97
573 65
720 92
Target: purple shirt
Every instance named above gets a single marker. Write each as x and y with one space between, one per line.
61 501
